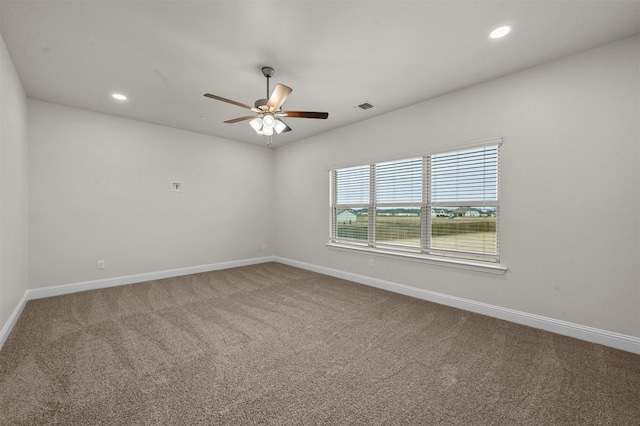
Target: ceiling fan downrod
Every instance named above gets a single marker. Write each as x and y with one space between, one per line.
268 73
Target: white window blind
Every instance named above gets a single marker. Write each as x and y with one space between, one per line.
352 185
399 181
470 175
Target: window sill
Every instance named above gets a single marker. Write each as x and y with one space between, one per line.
468 265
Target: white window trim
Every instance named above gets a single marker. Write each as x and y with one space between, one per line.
451 262
459 263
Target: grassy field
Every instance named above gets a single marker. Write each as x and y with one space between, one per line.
476 234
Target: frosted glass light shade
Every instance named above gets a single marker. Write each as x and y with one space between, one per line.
256 123
279 126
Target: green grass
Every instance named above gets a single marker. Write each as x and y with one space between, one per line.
465 231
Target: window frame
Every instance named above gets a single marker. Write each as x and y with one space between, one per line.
424 252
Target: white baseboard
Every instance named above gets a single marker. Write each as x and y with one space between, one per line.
8 326
58 290
589 334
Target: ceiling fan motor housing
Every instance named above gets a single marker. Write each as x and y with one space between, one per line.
267 72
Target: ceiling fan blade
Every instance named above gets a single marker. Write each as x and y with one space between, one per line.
279 95
235 120
306 114
229 101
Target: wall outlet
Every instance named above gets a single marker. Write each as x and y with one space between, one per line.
370 263
101 264
264 246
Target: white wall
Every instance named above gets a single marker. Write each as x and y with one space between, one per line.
13 188
100 190
570 195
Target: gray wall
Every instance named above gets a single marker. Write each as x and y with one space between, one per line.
570 198
99 189
13 188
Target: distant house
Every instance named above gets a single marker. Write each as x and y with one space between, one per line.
346 216
439 212
466 212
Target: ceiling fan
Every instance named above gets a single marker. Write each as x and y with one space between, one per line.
268 119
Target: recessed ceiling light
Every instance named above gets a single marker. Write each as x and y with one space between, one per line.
500 32
119 97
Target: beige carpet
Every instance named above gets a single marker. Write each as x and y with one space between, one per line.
272 344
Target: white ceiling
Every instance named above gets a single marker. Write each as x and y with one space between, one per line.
164 55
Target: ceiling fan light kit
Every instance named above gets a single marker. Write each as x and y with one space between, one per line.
267 121
267 124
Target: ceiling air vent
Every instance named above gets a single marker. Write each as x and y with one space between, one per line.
365 106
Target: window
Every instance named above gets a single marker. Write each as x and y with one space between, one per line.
353 199
440 206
